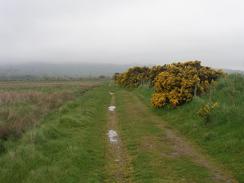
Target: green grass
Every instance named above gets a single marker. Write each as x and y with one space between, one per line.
148 148
223 136
67 146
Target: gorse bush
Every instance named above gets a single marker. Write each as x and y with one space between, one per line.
205 111
134 77
181 81
137 76
154 72
174 84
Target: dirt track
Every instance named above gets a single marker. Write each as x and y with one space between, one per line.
118 166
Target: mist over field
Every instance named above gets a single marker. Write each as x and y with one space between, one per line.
61 69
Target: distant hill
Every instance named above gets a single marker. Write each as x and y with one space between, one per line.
231 71
60 70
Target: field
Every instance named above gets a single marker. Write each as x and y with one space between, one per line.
23 104
57 131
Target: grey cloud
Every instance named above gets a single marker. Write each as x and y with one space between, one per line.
138 31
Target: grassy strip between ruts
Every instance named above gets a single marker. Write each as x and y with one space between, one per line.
223 136
68 146
153 157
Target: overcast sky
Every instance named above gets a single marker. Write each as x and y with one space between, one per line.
123 31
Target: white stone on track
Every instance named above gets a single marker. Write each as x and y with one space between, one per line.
113 136
111 93
111 108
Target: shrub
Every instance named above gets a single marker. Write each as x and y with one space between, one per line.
154 72
205 111
182 81
159 99
174 84
134 77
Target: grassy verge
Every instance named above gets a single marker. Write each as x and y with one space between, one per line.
223 135
68 146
